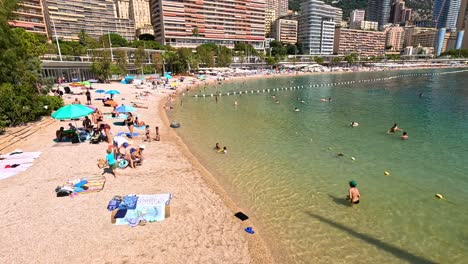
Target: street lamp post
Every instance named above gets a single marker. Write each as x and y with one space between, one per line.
56 39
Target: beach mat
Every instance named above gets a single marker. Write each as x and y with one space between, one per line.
7 174
15 161
18 154
94 184
127 134
149 207
140 127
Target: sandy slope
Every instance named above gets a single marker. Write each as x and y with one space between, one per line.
37 227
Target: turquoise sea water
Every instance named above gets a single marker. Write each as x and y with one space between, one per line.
282 166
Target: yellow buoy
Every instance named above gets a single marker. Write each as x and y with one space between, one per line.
440 196
386 173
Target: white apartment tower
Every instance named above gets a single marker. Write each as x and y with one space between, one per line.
316 27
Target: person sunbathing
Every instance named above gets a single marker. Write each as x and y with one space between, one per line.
137 154
76 101
137 105
139 123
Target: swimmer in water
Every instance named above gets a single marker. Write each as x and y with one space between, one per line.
394 128
302 101
353 193
235 103
217 147
354 124
404 136
277 102
223 150
297 109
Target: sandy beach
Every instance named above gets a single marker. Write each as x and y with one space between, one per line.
39 227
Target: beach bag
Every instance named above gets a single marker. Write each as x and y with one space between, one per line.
101 163
75 139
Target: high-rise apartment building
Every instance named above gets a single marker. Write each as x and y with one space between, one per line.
399 14
96 17
285 31
395 36
30 17
357 15
140 13
122 8
226 22
462 22
338 16
274 9
410 31
379 11
445 14
364 25
371 43
316 27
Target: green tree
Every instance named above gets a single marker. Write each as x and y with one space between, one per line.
116 40
21 85
206 54
121 62
224 57
139 57
101 65
170 57
351 58
319 60
336 60
277 49
147 44
146 37
158 62
291 49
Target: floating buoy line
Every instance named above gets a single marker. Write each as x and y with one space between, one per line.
323 84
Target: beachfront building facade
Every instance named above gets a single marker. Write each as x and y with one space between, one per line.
285 31
30 17
316 27
445 14
399 14
96 17
273 10
140 13
364 25
223 22
395 36
357 15
338 16
379 11
122 8
410 31
462 23
371 43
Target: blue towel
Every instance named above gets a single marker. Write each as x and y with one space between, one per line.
127 134
141 127
129 202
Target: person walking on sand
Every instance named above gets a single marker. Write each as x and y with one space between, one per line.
111 162
130 122
353 193
88 97
158 137
147 133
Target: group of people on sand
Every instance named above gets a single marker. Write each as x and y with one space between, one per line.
122 150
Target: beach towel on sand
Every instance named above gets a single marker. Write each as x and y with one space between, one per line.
135 134
149 208
83 185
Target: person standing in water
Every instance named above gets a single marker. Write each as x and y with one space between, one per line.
404 136
353 193
394 128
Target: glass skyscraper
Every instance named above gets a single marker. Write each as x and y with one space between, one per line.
446 13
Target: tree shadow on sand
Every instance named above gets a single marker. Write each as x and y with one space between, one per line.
397 252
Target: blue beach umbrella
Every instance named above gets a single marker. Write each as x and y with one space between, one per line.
100 91
112 92
72 111
125 109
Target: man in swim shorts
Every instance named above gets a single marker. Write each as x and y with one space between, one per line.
353 193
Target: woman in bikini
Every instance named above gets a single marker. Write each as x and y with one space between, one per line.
130 121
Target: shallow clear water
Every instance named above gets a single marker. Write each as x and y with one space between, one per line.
282 166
